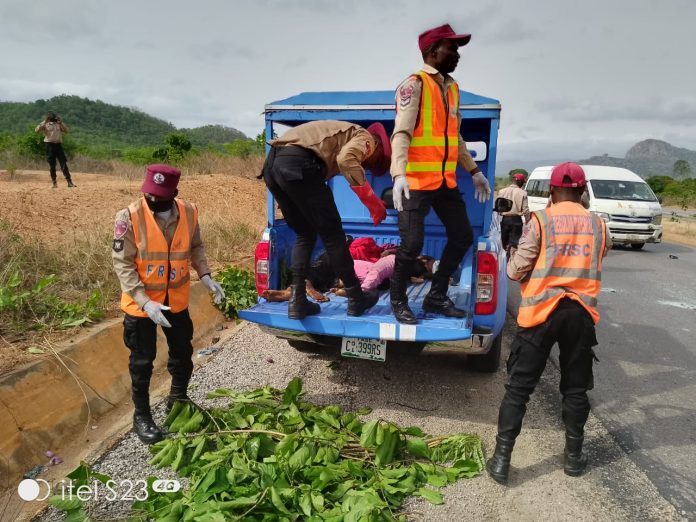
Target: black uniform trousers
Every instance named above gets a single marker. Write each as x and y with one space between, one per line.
54 151
297 179
511 231
140 336
450 208
572 327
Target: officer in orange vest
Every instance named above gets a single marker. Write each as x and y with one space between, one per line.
155 240
426 149
559 265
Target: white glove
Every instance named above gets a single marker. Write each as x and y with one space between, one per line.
483 189
400 191
214 287
154 310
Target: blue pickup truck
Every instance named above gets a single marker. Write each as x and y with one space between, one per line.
479 286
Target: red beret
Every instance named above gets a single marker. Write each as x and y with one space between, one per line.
444 32
161 180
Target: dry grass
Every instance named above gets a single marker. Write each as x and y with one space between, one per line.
69 233
682 231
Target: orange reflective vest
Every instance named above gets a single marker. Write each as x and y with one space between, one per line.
163 269
434 148
569 263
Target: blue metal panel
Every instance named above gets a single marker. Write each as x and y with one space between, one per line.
378 323
367 98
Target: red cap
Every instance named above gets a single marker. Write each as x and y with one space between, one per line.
574 173
444 32
518 177
378 129
161 181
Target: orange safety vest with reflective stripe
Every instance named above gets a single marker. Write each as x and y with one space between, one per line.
569 263
434 147
163 269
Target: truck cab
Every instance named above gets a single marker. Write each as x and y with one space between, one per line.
479 286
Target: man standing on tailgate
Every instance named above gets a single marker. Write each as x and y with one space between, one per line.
155 240
426 148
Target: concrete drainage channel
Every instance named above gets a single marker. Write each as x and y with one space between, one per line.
77 403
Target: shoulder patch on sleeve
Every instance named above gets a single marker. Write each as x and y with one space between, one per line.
118 245
405 94
120 228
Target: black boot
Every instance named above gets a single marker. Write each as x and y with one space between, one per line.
176 393
403 313
145 428
399 301
574 459
55 184
359 301
498 466
71 184
437 302
298 305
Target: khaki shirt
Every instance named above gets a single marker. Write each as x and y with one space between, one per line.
518 196
342 146
408 96
124 257
52 130
523 259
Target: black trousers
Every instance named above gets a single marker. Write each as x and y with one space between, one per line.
571 326
511 231
140 336
450 208
297 179
54 151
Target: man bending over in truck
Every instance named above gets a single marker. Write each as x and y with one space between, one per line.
296 170
427 148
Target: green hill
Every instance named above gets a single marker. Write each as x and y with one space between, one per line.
648 158
99 124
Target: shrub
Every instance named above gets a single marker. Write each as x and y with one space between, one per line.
240 290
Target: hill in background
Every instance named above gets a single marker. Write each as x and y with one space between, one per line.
646 158
99 124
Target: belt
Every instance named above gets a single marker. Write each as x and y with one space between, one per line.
294 150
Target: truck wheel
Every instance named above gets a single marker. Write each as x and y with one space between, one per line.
489 362
637 246
305 346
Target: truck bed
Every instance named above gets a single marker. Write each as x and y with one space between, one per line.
377 323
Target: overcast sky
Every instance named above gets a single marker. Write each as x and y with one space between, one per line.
574 78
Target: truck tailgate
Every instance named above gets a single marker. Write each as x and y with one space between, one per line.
377 323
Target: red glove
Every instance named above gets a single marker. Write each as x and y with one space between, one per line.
375 205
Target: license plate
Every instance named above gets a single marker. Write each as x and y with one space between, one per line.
373 349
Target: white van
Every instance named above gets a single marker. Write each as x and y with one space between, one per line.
621 197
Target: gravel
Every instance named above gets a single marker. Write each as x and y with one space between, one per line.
436 392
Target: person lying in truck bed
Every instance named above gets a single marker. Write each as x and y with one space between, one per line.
371 274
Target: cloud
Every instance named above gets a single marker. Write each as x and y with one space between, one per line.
679 110
29 91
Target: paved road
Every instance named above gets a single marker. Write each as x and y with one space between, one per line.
646 381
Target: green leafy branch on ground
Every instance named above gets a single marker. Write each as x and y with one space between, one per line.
35 307
271 456
240 290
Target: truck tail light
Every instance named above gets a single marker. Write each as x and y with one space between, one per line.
486 283
261 260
